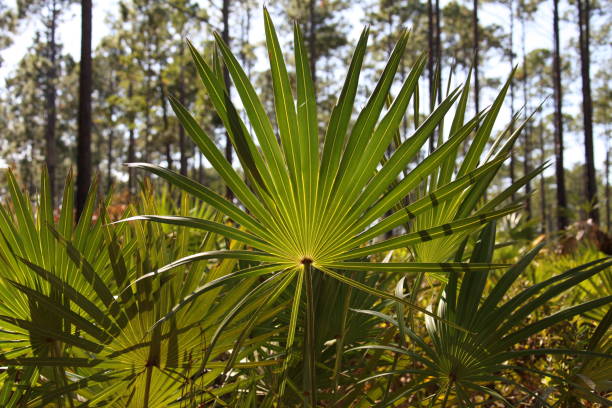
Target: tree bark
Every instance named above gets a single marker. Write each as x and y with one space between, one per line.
182 147
312 39
562 219
225 35
111 137
476 43
131 143
587 108
527 168
528 128
181 130
543 205
608 188
109 160
431 56
439 51
32 156
435 87
165 135
51 93
84 121
169 154
512 176
148 72
200 168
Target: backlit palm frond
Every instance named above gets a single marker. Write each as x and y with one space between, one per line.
81 329
459 364
308 210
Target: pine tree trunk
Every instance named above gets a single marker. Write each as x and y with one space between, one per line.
528 128
147 108
562 220
476 62
32 139
608 188
109 160
587 108
439 51
84 120
183 152
169 154
527 167
131 144
181 130
111 138
50 143
165 135
512 176
312 41
225 35
200 169
436 76
432 52
543 205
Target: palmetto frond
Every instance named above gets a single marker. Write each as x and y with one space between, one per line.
459 363
307 206
71 326
320 206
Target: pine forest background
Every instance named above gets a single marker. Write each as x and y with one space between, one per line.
139 57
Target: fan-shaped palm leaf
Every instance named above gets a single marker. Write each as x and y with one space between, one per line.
458 363
307 209
75 330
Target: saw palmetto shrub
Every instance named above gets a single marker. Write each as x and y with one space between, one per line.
348 270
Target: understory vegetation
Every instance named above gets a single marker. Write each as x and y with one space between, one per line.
349 268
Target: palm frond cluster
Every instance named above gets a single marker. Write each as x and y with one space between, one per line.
338 277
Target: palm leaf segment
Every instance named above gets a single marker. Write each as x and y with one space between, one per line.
460 363
70 328
307 204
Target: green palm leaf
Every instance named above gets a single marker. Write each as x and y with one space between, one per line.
460 363
309 212
77 330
